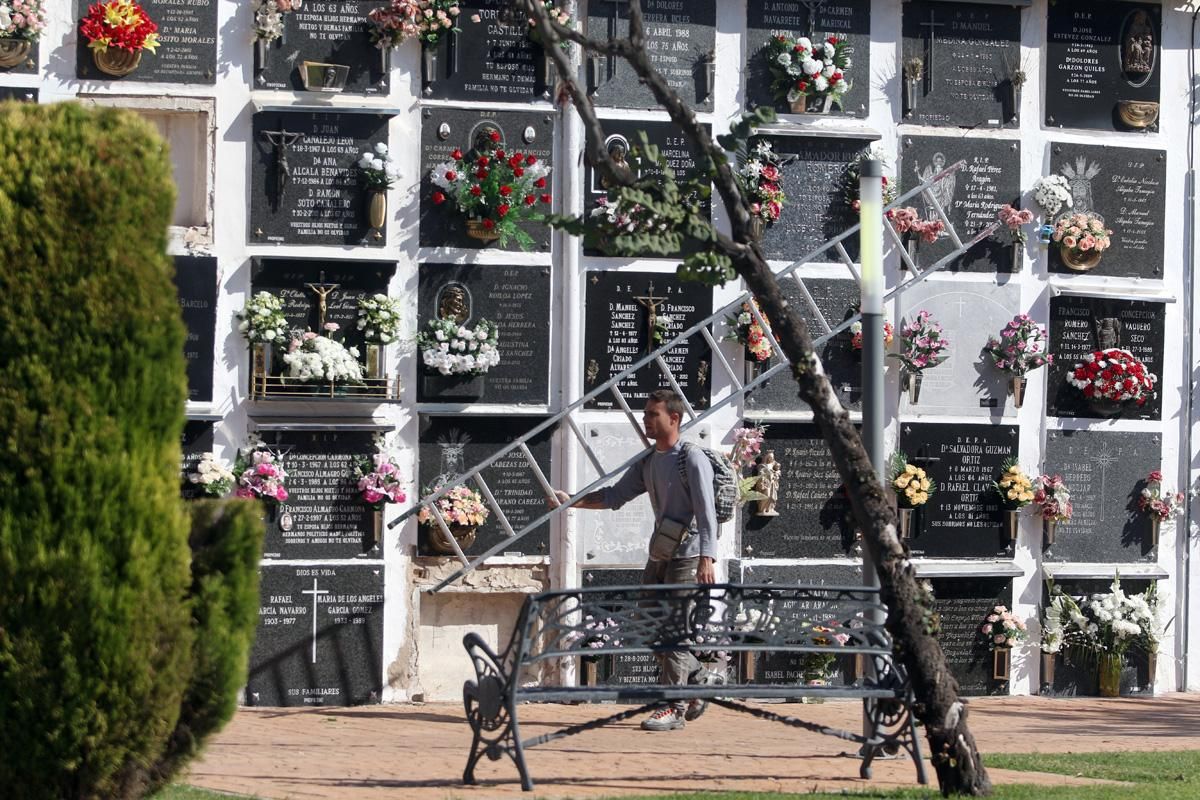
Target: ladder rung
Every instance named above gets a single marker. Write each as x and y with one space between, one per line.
491 501
898 241
587 449
849 262
662 365
766 329
812 304
716 349
941 212
616 390
541 476
441 521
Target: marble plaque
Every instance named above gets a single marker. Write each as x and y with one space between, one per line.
1105 472
963 517
489 60
817 19
963 604
196 283
187 52
197 440
320 636
1126 188
334 33
966 383
517 299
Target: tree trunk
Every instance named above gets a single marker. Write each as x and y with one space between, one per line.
954 754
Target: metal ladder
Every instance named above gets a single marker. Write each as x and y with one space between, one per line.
701 329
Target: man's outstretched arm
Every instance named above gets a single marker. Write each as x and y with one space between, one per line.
594 500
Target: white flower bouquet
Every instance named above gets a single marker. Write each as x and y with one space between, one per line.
378 169
313 358
262 319
212 476
1052 193
268 17
452 349
379 318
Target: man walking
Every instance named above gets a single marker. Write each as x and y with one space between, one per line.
682 510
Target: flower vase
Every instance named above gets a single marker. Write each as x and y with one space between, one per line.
910 97
261 54
802 105
1080 262
1048 662
1001 663
260 368
758 226
1048 528
912 384
1012 523
428 69
1155 524
748 666
13 51
477 230
385 61
270 512
375 361
547 75
1105 407
1016 386
587 673
463 534
1018 257
377 524
1108 668
377 208
116 61
1151 668
911 246
1014 100
905 515
436 387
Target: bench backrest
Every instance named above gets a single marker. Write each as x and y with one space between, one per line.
720 617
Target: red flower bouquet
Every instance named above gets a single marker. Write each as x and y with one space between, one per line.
1113 376
121 24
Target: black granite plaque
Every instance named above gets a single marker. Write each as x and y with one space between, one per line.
452 445
325 33
1105 472
27 67
836 298
1089 46
672 144
1126 188
962 604
187 51
814 518
289 279
814 182
492 59
196 282
970 197
320 636
445 129
846 19
305 187
1075 326
197 440
621 668
325 515
517 299
618 319
680 41
19 93
963 518
969 51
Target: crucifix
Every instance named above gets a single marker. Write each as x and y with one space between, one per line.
651 302
321 290
610 71
813 7
281 140
932 25
314 591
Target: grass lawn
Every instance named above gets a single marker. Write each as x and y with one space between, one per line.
1156 776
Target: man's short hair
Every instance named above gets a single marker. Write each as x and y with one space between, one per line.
668 397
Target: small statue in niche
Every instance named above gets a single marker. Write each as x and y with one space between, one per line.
1137 51
768 485
1108 332
454 303
618 150
483 142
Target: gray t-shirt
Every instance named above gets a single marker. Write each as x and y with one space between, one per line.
659 476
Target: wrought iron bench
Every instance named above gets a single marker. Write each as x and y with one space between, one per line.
733 618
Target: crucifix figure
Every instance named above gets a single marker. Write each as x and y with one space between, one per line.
612 33
321 290
813 7
932 25
281 140
651 302
315 592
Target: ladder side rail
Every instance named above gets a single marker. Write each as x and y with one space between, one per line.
587 449
666 371
715 347
491 501
441 521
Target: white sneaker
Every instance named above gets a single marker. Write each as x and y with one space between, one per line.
667 718
704 677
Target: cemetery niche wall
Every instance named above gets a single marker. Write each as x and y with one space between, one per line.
1103 65
517 300
325 48
196 282
492 59
628 315
305 186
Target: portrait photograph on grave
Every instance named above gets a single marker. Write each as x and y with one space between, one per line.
320 636
961 64
615 219
629 315
181 49
484 334
680 43
1102 66
309 183
784 36
196 282
450 445
486 179
972 198
319 329
1090 336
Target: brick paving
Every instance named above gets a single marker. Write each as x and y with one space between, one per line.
417 752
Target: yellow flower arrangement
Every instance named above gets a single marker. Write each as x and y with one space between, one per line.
912 486
1014 487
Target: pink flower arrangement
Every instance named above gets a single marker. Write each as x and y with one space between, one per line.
745 329
1020 348
22 19
761 178
1013 219
747 443
392 24
1157 503
458 506
922 344
1113 375
260 475
908 221
380 481
1002 629
1051 499
856 335
1082 233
